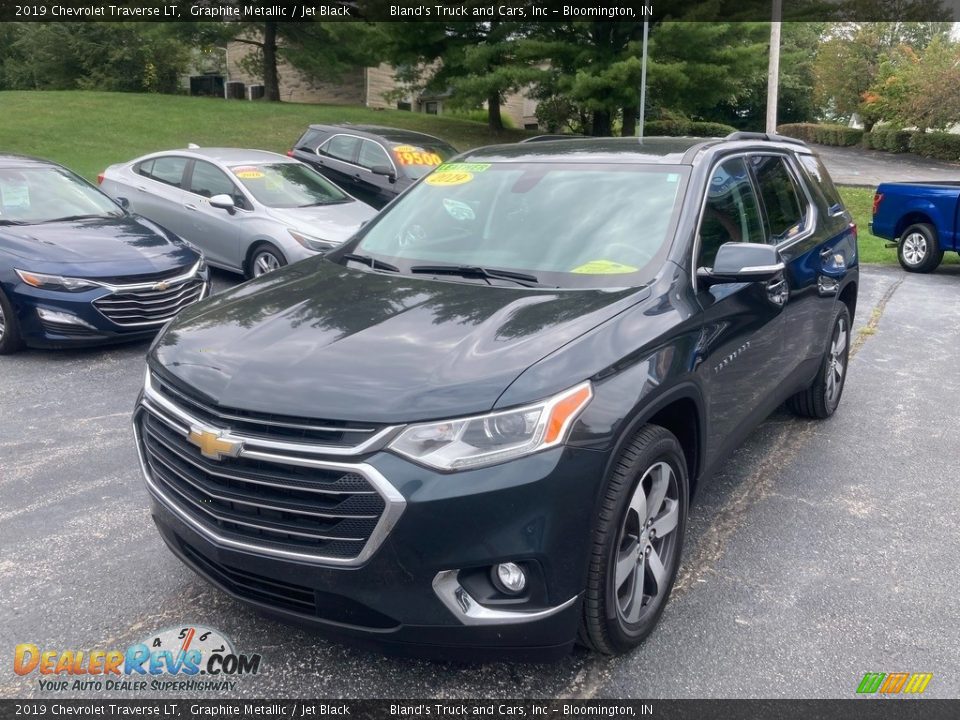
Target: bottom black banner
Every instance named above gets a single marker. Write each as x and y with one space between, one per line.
862 709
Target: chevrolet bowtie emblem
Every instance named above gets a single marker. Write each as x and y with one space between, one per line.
161 286
213 445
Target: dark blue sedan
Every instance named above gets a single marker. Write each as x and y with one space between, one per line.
78 269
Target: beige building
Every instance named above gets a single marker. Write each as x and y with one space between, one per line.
373 87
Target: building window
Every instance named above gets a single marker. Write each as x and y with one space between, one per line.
431 108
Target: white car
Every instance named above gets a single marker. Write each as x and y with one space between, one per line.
249 211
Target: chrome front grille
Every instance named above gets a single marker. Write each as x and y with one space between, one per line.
150 306
294 505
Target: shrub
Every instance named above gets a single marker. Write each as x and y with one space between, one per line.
710 129
822 133
937 145
676 127
889 139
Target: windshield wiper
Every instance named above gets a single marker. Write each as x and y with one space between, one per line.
371 261
13 222
67 218
478 272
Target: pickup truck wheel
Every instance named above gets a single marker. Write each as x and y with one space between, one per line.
919 249
264 258
10 340
821 399
636 543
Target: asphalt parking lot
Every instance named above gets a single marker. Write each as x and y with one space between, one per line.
820 552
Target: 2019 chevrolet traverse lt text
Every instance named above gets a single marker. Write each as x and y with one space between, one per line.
474 428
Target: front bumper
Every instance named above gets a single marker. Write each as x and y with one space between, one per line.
424 590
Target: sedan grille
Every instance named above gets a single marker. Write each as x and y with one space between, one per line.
151 306
288 504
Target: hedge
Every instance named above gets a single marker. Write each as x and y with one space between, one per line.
676 127
889 139
822 133
937 145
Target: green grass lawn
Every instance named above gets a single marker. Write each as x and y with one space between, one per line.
87 131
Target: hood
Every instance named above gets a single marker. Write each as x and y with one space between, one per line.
96 247
335 222
322 341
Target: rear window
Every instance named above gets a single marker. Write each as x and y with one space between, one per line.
168 170
821 178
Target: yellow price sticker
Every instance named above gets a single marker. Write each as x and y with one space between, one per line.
446 179
604 267
248 173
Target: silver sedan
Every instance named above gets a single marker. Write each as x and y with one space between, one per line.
249 211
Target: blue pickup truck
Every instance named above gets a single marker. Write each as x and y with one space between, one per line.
921 219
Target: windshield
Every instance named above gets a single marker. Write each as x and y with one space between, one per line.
569 225
288 185
45 194
418 160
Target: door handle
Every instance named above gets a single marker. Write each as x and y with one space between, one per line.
191 206
142 188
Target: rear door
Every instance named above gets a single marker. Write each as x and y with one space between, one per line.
742 341
215 231
157 191
337 160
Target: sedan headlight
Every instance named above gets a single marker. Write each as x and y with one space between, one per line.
312 243
55 282
495 437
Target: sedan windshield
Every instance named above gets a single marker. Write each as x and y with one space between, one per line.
288 185
567 225
47 194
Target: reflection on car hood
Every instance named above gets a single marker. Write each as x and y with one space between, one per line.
320 340
335 222
96 247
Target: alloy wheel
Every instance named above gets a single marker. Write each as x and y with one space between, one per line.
647 543
914 248
264 262
836 363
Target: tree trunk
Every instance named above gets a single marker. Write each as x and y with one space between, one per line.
629 121
494 118
271 82
601 123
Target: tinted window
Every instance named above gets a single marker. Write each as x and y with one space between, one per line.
781 197
288 185
310 140
168 170
373 154
208 180
341 147
572 225
731 212
821 178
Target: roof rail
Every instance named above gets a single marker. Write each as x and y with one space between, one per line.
770 137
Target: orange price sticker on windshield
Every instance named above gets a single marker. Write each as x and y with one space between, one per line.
409 155
248 173
446 179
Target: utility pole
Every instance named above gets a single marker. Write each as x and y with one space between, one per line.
643 82
773 70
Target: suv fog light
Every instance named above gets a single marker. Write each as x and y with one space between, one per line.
509 578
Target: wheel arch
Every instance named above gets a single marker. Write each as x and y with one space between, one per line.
848 296
254 244
912 218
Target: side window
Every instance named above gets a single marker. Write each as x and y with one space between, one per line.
373 154
168 170
821 178
341 147
786 214
208 180
310 140
731 212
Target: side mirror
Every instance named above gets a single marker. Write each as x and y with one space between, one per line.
384 170
742 263
122 202
223 201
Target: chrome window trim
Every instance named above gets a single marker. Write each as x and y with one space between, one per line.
394 502
178 413
810 219
469 612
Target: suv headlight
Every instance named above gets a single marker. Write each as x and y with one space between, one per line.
55 282
312 243
498 436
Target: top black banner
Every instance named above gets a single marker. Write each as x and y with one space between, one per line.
479 10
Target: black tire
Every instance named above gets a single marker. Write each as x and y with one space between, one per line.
10 338
605 626
919 248
270 253
820 400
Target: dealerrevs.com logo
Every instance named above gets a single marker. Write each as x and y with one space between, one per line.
199 659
